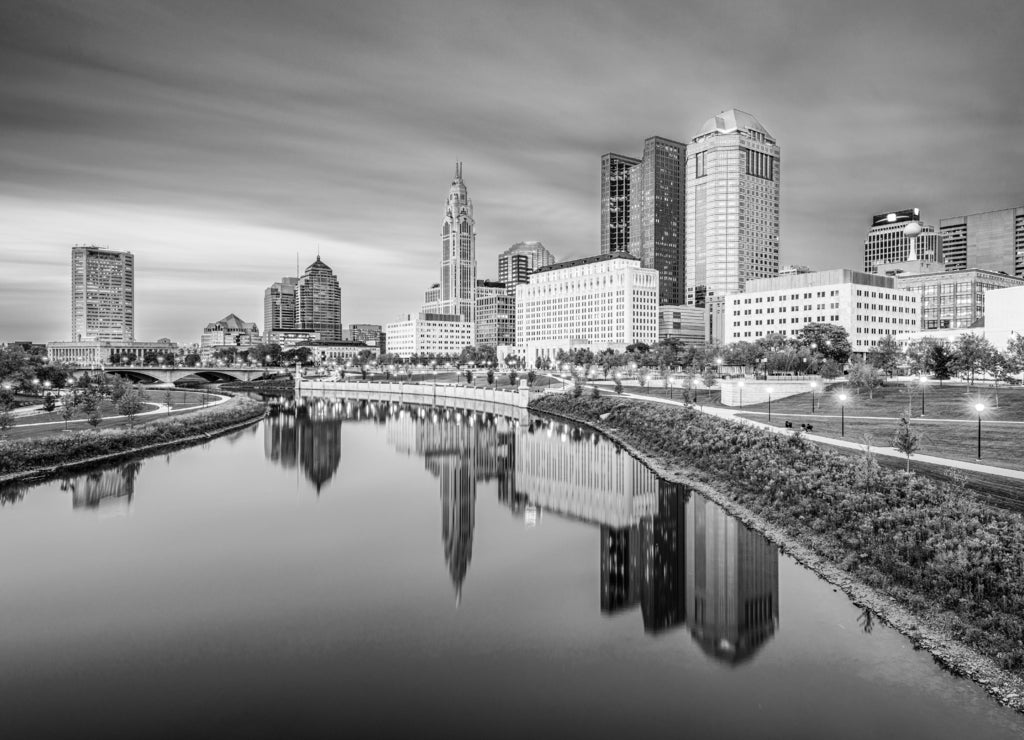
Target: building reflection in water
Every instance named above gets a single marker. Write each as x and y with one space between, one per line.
109 488
307 435
679 558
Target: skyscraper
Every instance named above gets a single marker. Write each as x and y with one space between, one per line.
318 302
732 206
886 242
102 294
458 252
615 192
657 202
279 305
517 262
991 241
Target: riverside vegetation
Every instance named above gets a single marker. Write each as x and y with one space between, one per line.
25 455
929 545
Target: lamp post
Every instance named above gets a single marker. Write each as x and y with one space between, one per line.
740 386
979 407
842 414
922 380
814 385
769 390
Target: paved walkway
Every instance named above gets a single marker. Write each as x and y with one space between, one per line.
161 408
734 415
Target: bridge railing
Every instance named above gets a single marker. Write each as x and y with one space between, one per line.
445 395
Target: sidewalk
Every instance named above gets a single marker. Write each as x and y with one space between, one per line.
733 415
161 408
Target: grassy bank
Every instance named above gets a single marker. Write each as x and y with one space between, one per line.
937 551
23 455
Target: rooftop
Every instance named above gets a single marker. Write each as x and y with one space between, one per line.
588 261
732 120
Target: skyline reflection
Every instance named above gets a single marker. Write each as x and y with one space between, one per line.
683 560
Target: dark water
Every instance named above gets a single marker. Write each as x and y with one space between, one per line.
381 570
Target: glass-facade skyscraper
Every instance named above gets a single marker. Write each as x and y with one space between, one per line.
102 294
517 262
615 192
732 206
318 302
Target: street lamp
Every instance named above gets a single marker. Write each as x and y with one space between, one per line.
842 414
979 407
769 390
814 384
922 380
740 386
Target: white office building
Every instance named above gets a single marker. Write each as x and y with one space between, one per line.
869 307
597 303
428 333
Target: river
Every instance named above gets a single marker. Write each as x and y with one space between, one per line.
377 569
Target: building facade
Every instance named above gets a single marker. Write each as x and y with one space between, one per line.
318 302
953 300
992 241
517 262
495 314
656 214
458 252
279 305
685 323
102 294
102 353
230 331
604 302
615 200
867 306
732 206
887 243
427 333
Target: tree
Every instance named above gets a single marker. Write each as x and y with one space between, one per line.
91 406
865 376
168 400
710 378
830 369
829 340
542 363
6 421
969 353
301 355
743 354
130 405
638 348
595 392
490 376
531 375
1015 353
905 439
886 354
577 386
118 387
468 355
940 361
227 355
513 377
192 359
49 402
68 408
469 376
618 384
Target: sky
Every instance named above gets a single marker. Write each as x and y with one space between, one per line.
220 141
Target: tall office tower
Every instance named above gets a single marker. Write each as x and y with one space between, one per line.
732 206
102 294
887 243
657 201
458 252
991 241
318 302
615 185
517 262
279 305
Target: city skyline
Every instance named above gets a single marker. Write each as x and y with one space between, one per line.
215 156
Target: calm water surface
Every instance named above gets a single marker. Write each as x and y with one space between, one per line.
380 569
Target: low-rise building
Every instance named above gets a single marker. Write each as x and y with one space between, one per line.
953 300
230 331
686 323
429 333
289 338
867 306
108 352
337 353
603 302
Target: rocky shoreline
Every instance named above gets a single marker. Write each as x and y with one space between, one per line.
956 657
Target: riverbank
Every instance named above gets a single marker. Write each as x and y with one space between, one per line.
33 458
938 566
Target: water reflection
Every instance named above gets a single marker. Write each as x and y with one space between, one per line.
683 560
109 488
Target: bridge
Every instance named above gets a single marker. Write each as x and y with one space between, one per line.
167 375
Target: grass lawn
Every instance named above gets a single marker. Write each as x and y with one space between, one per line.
181 401
948 428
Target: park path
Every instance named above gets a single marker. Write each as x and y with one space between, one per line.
161 408
734 415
